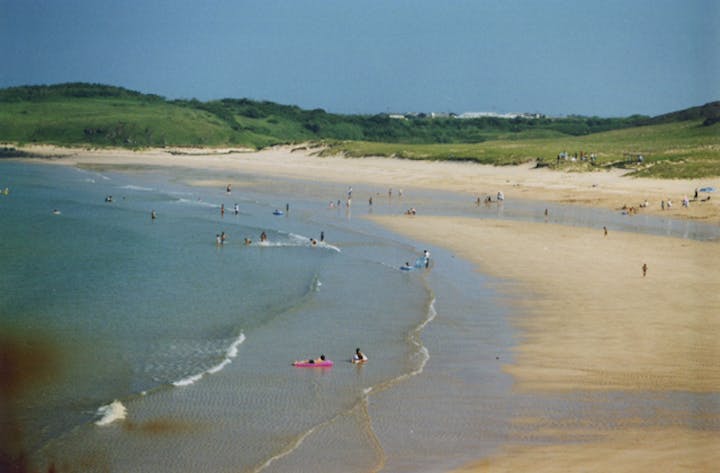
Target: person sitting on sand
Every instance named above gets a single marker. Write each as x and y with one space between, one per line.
359 357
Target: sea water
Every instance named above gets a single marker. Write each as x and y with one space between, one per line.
156 349
149 324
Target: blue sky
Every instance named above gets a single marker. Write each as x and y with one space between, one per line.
558 57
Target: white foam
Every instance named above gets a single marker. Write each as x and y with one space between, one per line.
137 188
296 240
111 413
189 380
231 353
201 203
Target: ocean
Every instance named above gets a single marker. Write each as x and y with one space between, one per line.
141 344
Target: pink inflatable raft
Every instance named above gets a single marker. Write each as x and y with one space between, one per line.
317 364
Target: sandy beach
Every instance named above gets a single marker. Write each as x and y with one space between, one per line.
603 189
588 318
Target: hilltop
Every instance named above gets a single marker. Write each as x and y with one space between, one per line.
80 114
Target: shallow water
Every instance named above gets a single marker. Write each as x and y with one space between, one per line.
194 341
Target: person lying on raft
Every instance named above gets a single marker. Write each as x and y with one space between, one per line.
311 361
359 357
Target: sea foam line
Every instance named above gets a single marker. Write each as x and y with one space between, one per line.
414 337
231 353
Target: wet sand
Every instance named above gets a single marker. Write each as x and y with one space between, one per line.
590 320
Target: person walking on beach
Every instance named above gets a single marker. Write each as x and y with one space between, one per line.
644 269
605 231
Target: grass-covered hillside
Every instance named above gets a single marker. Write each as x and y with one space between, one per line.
686 149
678 144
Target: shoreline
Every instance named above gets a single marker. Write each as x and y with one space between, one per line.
593 322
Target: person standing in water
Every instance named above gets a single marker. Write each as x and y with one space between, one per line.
359 357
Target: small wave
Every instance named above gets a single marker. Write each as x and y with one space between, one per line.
110 413
231 353
90 180
295 240
195 202
415 338
137 188
422 352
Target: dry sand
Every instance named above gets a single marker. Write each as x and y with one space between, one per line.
588 318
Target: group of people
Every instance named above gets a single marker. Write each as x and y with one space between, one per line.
664 204
500 196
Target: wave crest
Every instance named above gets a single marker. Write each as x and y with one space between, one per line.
111 413
231 353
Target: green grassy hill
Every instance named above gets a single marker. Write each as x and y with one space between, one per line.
685 149
678 144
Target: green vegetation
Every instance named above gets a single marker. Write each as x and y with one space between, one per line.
672 150
678 144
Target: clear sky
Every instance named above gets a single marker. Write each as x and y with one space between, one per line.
558 57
